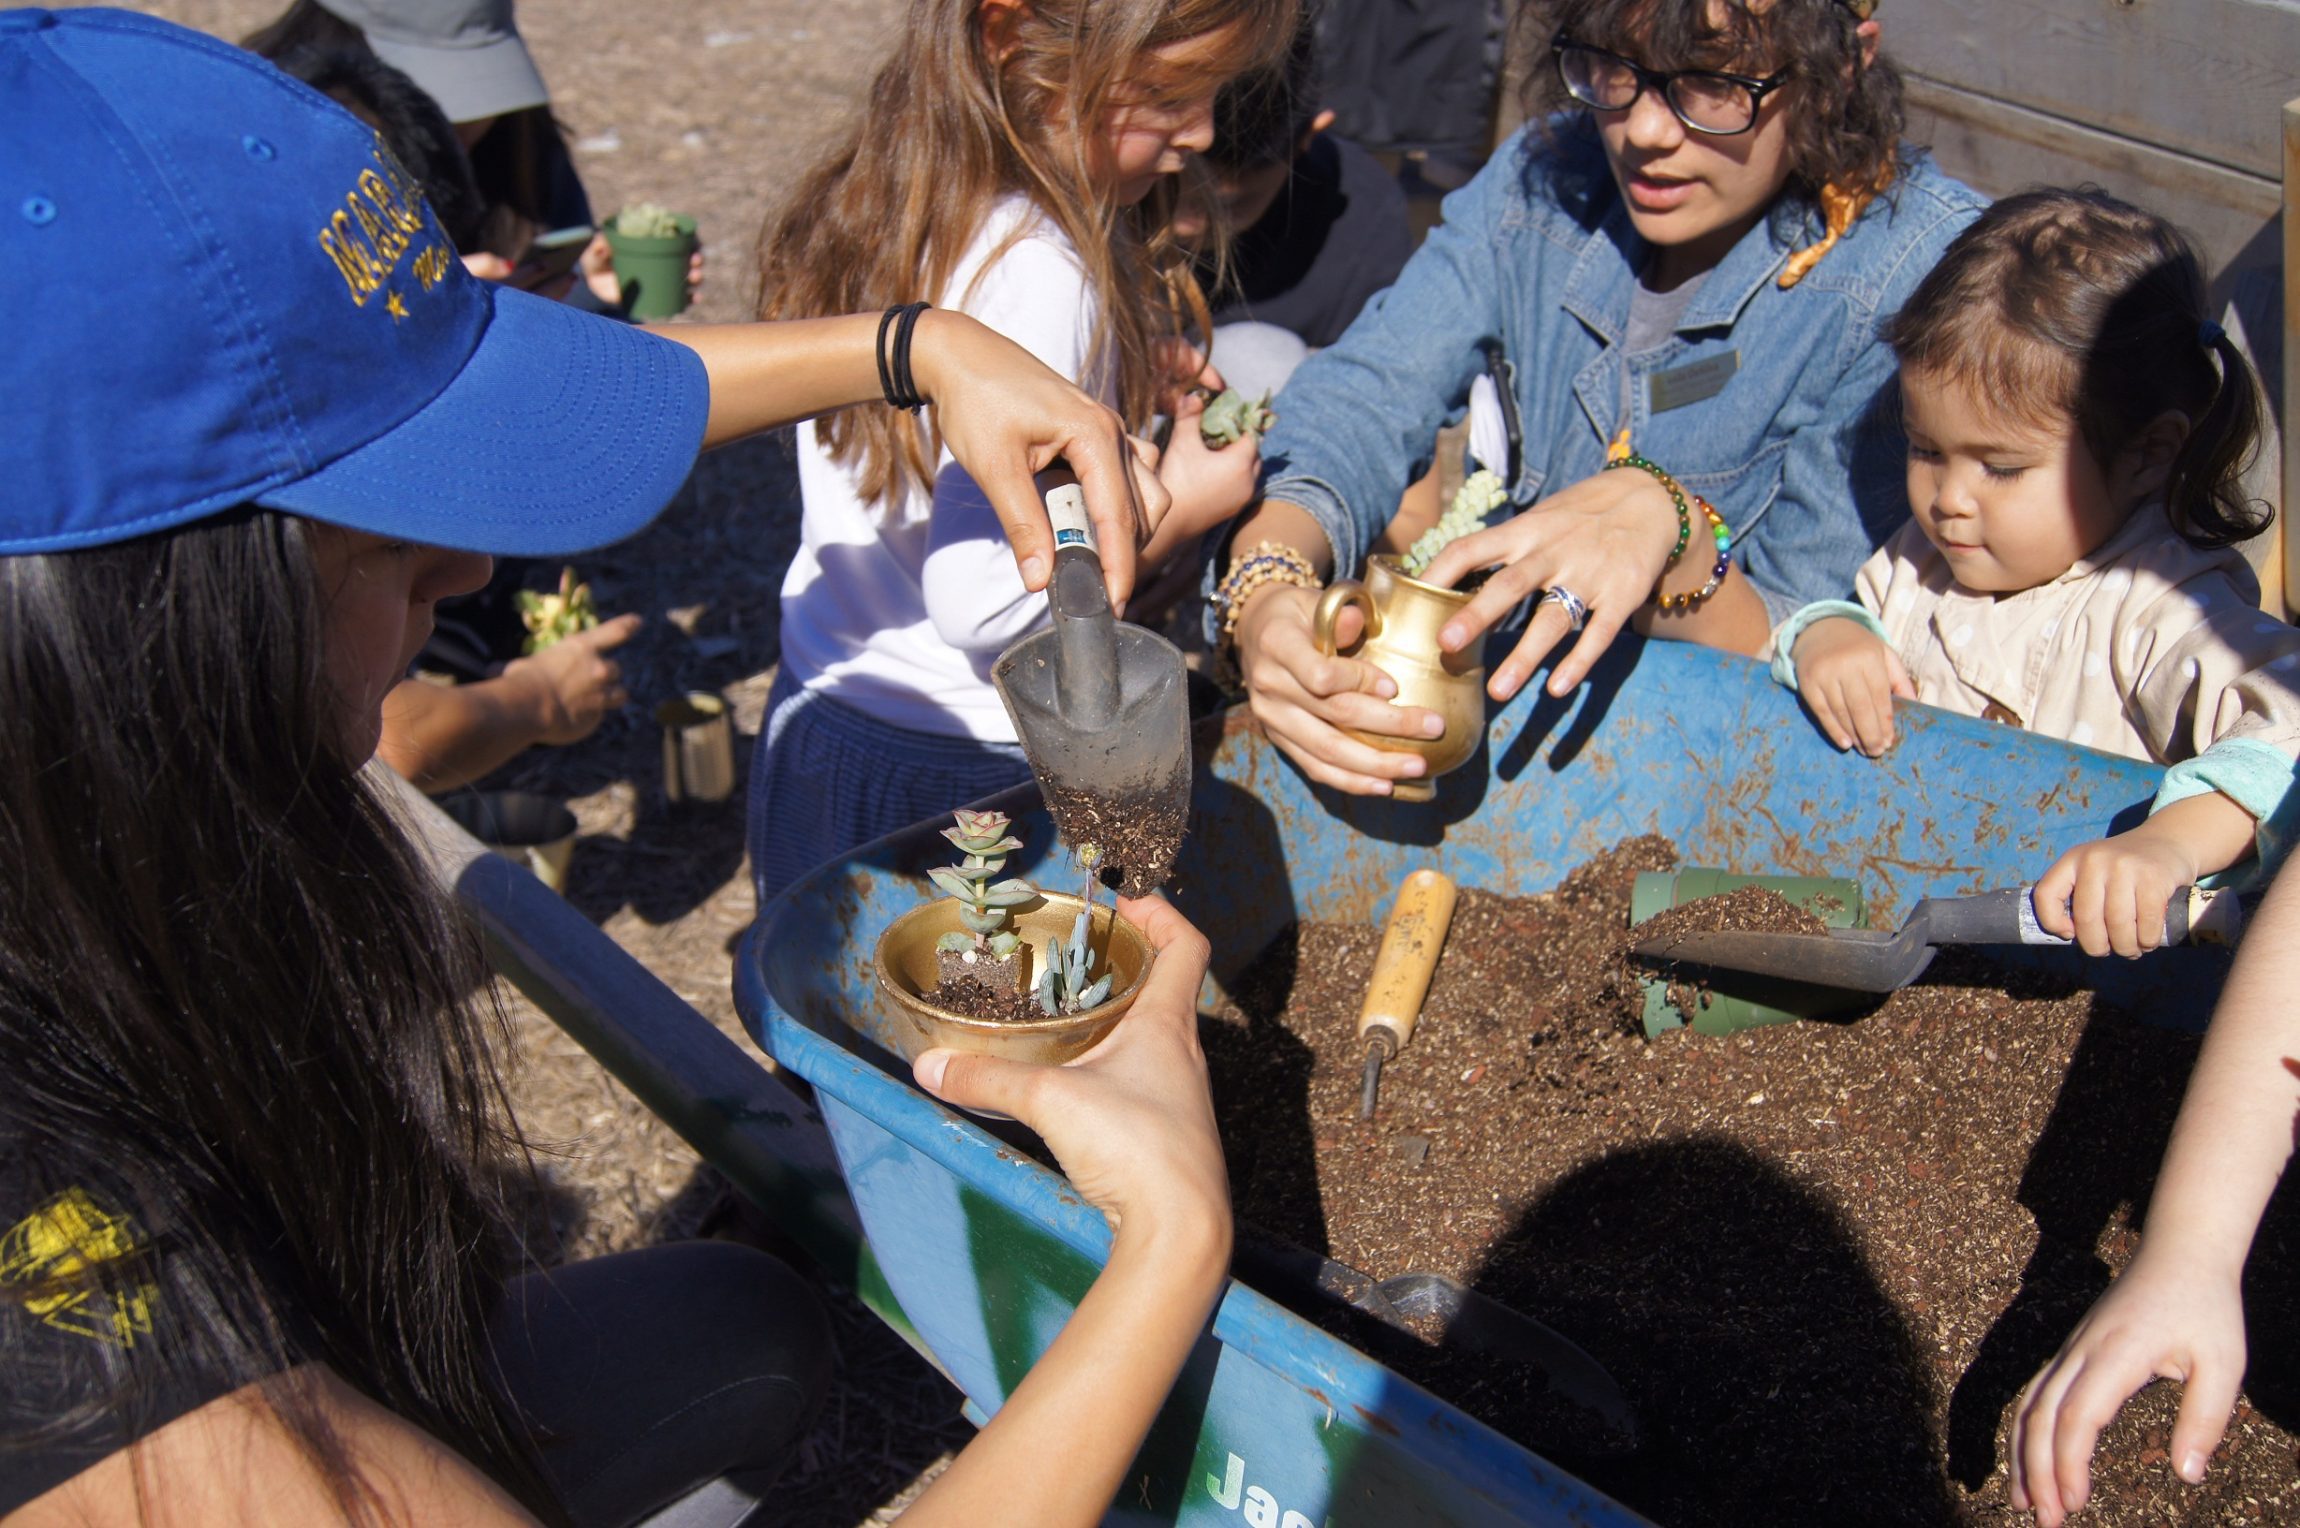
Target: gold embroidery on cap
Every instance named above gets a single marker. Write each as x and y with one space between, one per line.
431 266
382 216
56 1244
358 265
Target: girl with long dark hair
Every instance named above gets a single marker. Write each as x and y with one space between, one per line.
251 1259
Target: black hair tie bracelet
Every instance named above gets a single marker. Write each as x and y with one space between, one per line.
894 377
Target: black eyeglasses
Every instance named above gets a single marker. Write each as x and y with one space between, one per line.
1705 100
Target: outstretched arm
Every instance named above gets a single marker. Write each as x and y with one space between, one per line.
1001 412
1132 1123
439 737
2177 1312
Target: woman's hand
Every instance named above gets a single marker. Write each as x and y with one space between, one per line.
1606 539
1006 416
1847 676
1130 1121
1133 1125
1304 697
2162 1319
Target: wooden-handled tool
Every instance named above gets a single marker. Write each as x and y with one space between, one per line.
1409 953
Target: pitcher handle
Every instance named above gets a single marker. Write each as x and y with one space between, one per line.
1339 595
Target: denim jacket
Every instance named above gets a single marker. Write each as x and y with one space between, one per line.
1800 449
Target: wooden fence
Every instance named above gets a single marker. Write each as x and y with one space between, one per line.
2187 107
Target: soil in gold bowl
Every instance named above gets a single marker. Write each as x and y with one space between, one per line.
920 1016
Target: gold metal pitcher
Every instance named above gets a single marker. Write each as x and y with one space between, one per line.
1403 618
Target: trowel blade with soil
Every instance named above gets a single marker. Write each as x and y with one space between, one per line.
1871 960
1102 709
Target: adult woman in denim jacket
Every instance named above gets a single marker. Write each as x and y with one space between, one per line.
1690 267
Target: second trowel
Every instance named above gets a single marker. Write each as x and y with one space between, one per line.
1103 712
1872 960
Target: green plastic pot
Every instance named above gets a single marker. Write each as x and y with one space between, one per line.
1732 1000
653 271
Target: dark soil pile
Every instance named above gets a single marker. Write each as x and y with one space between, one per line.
1748 910
979 1000
1822 1259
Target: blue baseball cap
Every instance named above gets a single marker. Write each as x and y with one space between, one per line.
218 288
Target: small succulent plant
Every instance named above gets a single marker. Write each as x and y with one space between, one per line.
551 618
1063 978
982 838
646 220
1233 417
1479 495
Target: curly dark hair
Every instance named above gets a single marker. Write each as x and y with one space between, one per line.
1848 118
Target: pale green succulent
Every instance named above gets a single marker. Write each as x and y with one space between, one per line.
1233 417
1479 495
983 902
646 220
1063 986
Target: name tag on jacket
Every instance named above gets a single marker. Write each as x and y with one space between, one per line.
1692 382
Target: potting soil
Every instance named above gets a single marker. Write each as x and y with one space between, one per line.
1821 1258
1137 836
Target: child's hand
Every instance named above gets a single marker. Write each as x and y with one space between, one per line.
1208 486
2163 1319
1848 677
2110 894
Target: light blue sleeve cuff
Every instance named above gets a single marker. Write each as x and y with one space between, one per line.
2258 778
1786 634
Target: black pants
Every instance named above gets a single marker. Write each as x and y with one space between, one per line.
668 1385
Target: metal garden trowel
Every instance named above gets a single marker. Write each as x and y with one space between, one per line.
1102 710
1871 960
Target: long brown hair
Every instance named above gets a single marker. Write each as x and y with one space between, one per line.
233 1008
2071 305
945 131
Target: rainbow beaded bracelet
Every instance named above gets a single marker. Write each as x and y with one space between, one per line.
1724 563
1717 530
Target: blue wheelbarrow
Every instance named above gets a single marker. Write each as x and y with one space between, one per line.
978 1254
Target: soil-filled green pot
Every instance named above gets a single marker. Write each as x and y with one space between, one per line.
653 271
1724 1002
905 969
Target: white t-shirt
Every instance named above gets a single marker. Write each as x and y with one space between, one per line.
900 609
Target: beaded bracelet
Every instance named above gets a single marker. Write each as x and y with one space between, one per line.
1724 540
1676 497
1718 532
1259 566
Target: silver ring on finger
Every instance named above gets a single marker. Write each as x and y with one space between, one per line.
1576 612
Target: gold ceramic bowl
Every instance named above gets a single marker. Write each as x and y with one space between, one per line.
904 968
1403 618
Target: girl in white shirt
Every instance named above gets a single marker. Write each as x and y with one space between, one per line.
1010 161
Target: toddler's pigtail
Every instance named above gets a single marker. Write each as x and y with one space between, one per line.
2205 490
